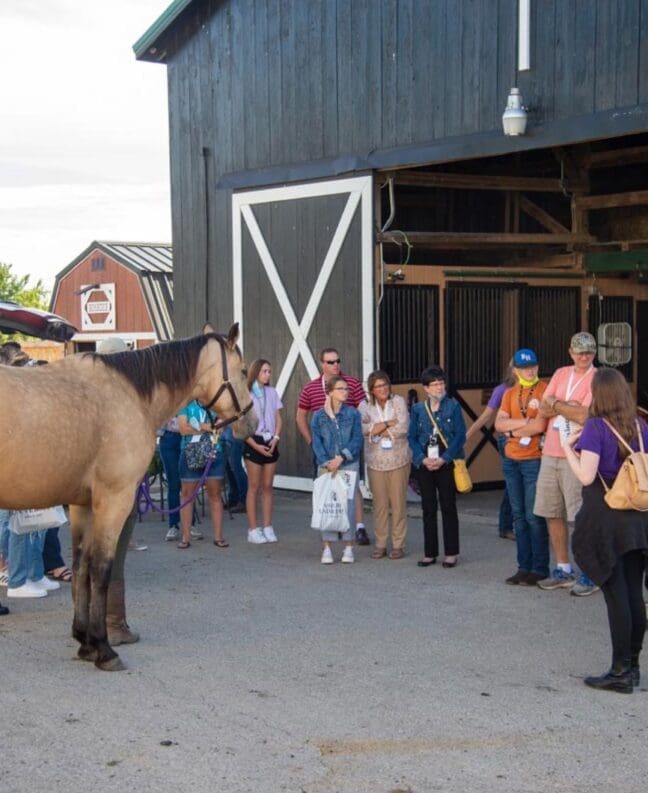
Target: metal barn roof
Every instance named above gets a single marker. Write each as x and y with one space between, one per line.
145 48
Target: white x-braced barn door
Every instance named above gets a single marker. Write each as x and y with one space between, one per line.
303 280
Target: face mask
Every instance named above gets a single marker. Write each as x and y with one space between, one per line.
257 389
528 383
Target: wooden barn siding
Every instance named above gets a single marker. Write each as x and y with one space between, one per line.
276 82
132 313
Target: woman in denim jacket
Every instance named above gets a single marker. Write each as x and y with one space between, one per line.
433 456
337 441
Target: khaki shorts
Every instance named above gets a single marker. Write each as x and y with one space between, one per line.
558 491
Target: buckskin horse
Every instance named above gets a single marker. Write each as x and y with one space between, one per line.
81 431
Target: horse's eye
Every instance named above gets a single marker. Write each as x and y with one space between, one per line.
244 372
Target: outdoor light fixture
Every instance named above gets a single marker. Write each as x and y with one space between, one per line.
514 118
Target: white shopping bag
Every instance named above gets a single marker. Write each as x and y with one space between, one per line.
349 479
23 521
330 503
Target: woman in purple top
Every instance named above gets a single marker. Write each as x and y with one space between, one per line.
261 451
487 416
610 545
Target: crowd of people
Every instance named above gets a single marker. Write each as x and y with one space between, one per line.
561 445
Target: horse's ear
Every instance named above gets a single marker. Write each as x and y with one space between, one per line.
208 328
232 336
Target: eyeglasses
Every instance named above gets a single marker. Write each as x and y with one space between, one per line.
335 360
341 388
381 385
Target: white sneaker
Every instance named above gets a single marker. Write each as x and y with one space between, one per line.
269 534
196 534
173 534
46 583
27 590
327 556
256 536
347 556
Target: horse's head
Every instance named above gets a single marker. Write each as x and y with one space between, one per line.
224 385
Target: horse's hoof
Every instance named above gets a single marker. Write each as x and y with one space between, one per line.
87 653
111 665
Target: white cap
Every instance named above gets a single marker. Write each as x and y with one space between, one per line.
111 344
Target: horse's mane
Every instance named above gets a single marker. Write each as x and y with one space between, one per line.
171 363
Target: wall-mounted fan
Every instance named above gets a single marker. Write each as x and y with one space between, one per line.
614 343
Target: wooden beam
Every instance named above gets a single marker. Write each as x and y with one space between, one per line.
633 198
464 181
542 216
467 240
608 159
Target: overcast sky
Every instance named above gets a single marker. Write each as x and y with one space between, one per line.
83 131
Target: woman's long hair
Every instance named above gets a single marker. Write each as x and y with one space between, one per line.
373 378
612 400
509 375
253 371
330 385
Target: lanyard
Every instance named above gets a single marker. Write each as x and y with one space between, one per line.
262 401
387 413
571 388
524 407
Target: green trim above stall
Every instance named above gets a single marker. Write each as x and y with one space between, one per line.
617 262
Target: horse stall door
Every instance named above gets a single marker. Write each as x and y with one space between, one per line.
302 260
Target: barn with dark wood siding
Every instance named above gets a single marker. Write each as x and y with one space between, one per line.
341 176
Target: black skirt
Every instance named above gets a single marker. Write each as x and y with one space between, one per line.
256 457
603 535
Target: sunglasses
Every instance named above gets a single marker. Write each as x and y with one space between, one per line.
335 360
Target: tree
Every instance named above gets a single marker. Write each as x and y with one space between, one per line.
15 288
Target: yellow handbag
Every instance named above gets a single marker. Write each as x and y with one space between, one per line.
462 480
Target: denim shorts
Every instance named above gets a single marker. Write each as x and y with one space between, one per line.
216 469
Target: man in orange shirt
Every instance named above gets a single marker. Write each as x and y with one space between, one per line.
558 498
519 419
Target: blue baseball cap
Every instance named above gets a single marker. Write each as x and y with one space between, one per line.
523 358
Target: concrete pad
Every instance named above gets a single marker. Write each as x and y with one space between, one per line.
261 670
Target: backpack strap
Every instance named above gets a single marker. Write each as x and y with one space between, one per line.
623 441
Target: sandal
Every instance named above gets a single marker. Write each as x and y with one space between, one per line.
378 553
182 545
397 553
221 543
64 574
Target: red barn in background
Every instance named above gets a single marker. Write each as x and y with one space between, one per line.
120 289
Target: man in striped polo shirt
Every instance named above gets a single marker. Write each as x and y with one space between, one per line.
312 398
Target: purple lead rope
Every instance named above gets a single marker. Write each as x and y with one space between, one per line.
145 500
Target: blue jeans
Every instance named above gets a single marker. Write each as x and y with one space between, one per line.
25 557
236 475
52 558
170 455
531 533
505 523
22 552
4 533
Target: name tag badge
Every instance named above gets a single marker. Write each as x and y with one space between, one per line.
525 441
386 443
433 451
560 424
